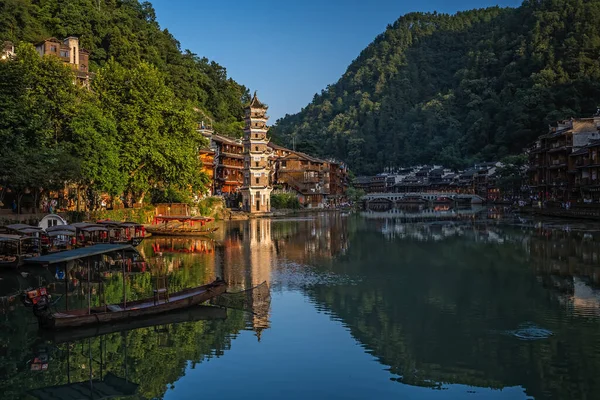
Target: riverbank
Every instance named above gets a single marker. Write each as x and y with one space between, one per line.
235 215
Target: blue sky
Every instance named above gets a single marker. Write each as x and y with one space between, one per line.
289 50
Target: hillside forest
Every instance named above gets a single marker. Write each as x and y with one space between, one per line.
456 89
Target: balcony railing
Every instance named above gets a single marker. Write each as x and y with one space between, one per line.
231 165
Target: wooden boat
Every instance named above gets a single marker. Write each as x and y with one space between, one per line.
180 232
180 225
190 314
123 311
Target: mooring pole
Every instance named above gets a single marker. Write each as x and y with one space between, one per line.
124 281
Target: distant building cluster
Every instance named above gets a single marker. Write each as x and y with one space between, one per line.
479 179
564 163
253 166
67 50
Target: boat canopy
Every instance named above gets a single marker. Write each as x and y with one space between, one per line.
19 227
30 230
182 218
79 225
61 228
94 228
6 237
82 252
109 222
128 224
64 232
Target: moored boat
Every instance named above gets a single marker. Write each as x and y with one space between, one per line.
181 225
15 249
124 232
180 232
120 312
40 300
189 314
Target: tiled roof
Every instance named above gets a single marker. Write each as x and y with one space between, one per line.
580 152
255 103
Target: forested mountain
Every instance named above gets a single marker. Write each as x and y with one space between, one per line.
455 89
127 31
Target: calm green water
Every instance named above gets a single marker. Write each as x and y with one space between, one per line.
361 307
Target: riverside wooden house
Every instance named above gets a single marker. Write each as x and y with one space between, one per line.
553 171
307 175
338 182
584 176
317 182
228 164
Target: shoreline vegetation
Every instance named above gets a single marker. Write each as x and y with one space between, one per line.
209 207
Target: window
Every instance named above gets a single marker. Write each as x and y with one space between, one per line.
53 49
256 148
64 53
257 163
283 164
257 181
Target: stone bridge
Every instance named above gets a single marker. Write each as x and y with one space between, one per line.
392 198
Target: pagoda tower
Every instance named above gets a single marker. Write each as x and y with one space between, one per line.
256 191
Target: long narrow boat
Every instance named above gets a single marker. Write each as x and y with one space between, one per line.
122 311
180 225
180 232
190 314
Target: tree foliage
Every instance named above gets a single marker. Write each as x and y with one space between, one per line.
135 130
455 89
127 32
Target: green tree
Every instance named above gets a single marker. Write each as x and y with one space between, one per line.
156 132
512 174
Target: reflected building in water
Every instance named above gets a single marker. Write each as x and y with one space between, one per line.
568 264
245 259
302 241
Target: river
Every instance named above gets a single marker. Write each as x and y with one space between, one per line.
362 306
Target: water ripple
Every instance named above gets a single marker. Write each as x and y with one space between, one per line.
529 331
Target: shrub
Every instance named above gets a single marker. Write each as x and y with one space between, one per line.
284 200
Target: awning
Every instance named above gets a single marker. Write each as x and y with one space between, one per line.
82 252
